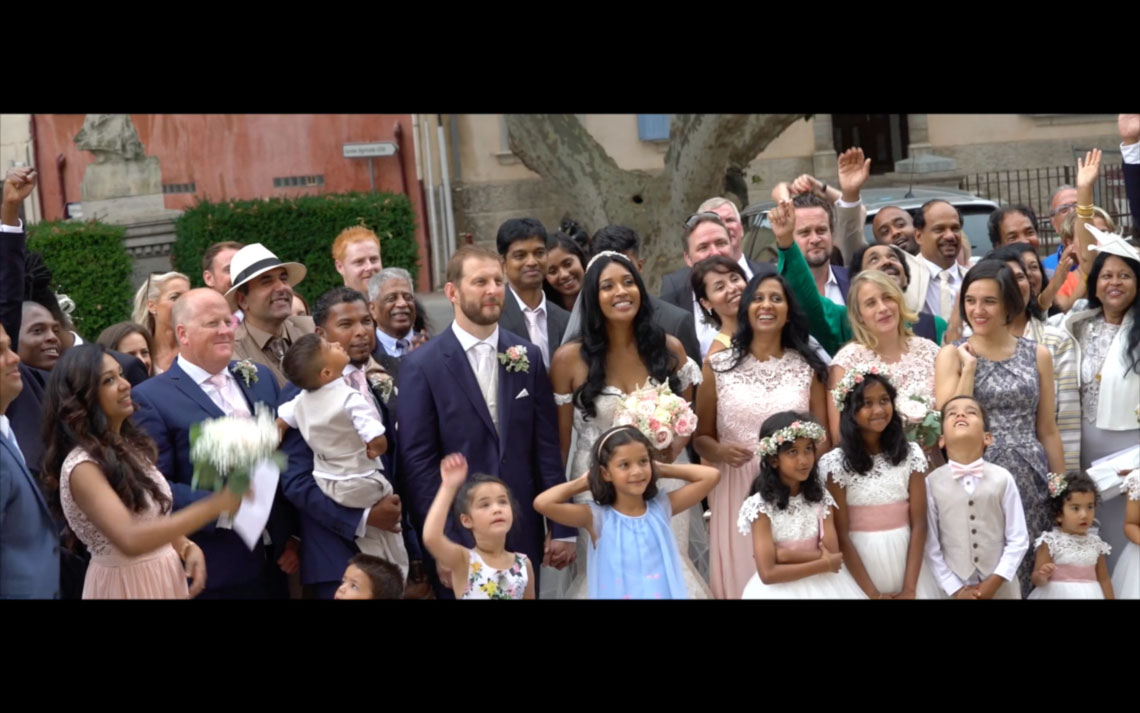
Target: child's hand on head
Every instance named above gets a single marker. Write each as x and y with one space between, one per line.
453 470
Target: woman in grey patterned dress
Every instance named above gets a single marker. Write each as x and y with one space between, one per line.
1012 378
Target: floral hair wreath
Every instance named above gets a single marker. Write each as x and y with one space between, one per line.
798 429
852 378
1057 484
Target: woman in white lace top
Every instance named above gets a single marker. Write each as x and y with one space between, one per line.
620 350
768 368
879 318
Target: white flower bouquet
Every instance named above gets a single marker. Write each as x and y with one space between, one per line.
922 421
224 450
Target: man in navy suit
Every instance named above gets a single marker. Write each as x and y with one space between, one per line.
328 529
458 396
204 383
29 542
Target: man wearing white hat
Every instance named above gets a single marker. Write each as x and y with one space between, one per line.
263 290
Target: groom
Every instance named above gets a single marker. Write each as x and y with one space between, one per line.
457 396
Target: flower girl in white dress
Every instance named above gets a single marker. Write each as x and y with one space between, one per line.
787 517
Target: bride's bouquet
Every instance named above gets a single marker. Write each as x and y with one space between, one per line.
658 413
922 421
225 450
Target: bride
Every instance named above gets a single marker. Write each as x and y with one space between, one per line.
617 350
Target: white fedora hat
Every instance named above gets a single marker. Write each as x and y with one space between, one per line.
251 261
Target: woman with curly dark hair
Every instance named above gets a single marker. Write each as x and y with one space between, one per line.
618 350
99 470
769 367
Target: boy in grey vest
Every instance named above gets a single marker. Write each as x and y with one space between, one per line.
345 434
976 522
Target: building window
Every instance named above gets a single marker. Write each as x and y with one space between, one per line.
179 187
298 181
653 127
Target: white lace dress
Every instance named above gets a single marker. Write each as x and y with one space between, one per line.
798 526
878 516
1075 558
1126 574
586 434
913 373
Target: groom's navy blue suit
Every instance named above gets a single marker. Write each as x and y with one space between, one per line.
442 410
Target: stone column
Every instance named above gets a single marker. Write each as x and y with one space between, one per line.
920 154
823 161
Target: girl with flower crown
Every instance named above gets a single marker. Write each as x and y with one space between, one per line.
1070 562
878 479
788 518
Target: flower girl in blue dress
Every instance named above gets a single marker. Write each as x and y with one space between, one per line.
634 552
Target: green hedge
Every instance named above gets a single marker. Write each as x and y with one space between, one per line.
90 265
299 230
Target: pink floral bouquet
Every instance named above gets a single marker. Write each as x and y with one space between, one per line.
658 413
923 422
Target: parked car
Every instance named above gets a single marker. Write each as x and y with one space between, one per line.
975 213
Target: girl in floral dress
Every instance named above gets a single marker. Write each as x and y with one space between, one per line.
485 506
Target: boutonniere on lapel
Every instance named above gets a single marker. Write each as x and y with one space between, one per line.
247 370
383 383
515 359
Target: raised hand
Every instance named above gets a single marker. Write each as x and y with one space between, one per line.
967 355
1129 126
19 183
1088 169
806 184
853 173
453 470
783 221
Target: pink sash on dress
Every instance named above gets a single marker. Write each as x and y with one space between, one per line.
877 518
1073 573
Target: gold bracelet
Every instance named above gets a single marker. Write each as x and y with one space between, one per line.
1089 206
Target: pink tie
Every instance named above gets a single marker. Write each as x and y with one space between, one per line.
959 470
356 379
235 407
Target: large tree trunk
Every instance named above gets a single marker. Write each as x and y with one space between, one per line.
702 148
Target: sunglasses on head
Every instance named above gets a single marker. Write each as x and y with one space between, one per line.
696 218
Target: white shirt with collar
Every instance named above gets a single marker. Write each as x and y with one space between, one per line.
1130 153
707 331
831 290
536 329
934 290
468 340
201 378
7 432
1016 539
390 343
5 228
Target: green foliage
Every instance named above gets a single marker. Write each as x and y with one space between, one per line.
300 230
90 265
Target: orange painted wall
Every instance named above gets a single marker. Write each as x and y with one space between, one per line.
237 156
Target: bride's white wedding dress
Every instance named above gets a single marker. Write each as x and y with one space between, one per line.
570 583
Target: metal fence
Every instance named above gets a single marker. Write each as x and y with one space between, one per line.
1034 187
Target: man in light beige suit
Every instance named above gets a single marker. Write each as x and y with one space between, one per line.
263 290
